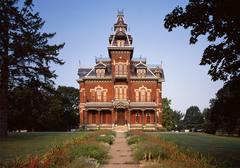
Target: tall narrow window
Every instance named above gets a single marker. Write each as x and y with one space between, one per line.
120 69
116 93
93 96
120 93
99 95
142 95
116 69
137 96
157 95
125 69
125 93
148 96
105 96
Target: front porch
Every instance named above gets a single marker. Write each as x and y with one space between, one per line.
109 115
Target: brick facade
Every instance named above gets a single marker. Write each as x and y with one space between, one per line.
121 90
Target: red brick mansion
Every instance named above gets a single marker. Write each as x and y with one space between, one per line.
120 89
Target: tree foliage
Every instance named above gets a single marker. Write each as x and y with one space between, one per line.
171 118
25 52
220 22
193 118
40 110
224 109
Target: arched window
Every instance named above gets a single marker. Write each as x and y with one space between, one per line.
148 96
116 69
142 95
137 96
104 96
120 69
125 69
99 95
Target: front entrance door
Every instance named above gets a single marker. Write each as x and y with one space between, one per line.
120 116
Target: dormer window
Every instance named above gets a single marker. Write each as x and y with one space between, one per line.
141 73
120 43
100 73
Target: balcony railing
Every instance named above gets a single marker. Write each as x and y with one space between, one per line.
121 75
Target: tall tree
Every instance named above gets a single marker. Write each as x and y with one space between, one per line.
177 117
225 114
220 21
193 118
167 111
25 54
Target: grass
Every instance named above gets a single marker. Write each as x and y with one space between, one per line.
24 144
56 149
153 151
226 150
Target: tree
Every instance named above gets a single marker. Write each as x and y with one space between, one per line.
225 107
41 110
177 119
25 54
219 20
171 118
69 97
193 118
208 125
167 118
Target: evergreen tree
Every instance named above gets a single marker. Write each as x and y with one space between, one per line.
193 118
25 54
167 117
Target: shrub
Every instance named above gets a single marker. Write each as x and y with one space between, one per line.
95 151
105 138
147 151
84 162
135 139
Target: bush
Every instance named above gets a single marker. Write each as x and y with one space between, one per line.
147 151
95 151
84 162
105 138
135 139
163 154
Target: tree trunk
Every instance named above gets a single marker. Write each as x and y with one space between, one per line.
4 98
4 77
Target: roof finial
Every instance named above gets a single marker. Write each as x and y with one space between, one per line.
120 12
79 62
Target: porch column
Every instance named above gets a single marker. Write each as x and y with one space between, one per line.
98 117
85 116
112 116
155 117
143 122
129 116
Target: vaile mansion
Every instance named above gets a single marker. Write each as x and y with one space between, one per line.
120 89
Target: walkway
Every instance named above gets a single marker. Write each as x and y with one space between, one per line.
120 153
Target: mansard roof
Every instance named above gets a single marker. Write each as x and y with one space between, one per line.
141 65
100 65
135 63
83 72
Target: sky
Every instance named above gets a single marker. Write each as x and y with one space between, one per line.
85 25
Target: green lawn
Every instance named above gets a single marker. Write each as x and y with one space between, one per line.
24 144
226 150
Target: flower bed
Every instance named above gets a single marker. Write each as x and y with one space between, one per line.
86 151
154 152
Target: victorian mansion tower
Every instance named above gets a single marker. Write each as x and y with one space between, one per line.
120 89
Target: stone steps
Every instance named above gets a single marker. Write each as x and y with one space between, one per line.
121 128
